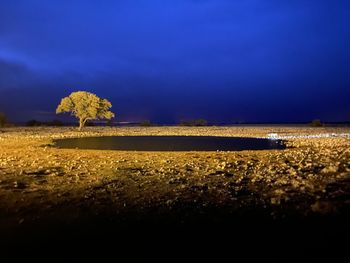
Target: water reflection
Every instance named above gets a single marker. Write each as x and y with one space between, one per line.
170 143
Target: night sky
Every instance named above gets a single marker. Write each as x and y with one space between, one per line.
221 60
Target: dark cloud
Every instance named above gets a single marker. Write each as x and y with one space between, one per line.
167 60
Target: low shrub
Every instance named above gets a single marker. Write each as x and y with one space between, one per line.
146 123
3 119
198 122
316 123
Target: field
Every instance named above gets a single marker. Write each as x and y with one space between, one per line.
45 190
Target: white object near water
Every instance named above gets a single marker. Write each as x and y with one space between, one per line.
275 136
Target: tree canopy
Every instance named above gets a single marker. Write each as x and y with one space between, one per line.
85 106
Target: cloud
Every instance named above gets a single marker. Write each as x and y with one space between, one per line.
167 59
14 75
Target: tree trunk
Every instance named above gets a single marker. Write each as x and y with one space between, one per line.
81 124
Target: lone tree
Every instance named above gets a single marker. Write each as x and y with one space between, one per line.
85 106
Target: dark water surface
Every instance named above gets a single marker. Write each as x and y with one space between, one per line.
170 143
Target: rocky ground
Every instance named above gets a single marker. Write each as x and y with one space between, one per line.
41 185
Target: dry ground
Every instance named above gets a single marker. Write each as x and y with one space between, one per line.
43 185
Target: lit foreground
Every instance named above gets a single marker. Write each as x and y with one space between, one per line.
302 192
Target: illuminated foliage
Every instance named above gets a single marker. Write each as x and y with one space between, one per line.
85 106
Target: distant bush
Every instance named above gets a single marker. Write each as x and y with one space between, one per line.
33 123
316 123
3 119
199 122
146 123
110 123
90 124
57 123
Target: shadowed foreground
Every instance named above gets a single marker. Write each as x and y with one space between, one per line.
247 234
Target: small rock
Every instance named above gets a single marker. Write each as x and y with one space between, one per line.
322 207
329 169
275 201
19 185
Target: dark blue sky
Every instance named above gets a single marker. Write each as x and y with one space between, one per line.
222 60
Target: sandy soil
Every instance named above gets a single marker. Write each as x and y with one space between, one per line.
43 185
